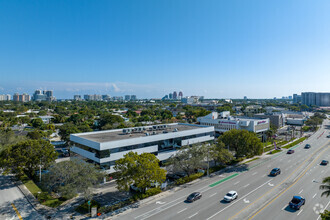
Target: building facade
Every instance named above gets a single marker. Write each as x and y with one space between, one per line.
5 97
313 98
223 122
106 147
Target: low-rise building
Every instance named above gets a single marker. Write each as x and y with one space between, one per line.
223 122
106 147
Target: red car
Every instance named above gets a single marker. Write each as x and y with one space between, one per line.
290 152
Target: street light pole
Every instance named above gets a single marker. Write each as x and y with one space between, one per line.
40 171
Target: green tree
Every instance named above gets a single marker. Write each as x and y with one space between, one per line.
220 154
109 119
188 159
141 170
242 142
325 215
8 137
326 186
37 122
66 130
27 156
35 134
72 177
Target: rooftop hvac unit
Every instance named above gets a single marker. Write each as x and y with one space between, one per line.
175 130
154 132
154 127
147 134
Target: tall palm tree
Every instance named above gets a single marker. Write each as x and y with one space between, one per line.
326 186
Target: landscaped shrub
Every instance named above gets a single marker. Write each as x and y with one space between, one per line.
188 179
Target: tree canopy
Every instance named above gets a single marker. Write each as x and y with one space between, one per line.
72 177
27 156
142 170
243 142
188 159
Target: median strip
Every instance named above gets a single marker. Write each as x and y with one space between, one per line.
223 180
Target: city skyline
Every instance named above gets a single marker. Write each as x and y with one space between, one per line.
214 49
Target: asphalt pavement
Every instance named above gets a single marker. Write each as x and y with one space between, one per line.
13 204
260 196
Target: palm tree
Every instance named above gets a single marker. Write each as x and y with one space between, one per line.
326 186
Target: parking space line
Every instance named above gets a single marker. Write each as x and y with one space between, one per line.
301 191
314 195
213 194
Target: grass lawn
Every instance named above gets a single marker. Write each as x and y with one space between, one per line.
257 158
43 197
274 151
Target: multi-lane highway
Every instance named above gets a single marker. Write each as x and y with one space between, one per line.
259 195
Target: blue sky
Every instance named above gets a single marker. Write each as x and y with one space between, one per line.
215 48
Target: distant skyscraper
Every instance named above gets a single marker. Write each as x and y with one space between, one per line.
170 96
315 98
106 97
175 95
180 95
16 97
296 98
77 97
21 98
245 97
5 97
127 97
133 97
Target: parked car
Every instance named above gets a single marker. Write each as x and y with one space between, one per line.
194 196
290 152
230 196
172 177
324 162
307 146
297 202
275 172
328 136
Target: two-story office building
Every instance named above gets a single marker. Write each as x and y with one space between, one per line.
223 122
105 147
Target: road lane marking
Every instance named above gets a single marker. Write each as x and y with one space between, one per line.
193 215
301 191
246 200
182 210
236 183
323 210
268 166
238 200
17 212
247 185
299 212
213 194
314 195
254 173
301 175
264 175
167 206
284 207
223 180
270 184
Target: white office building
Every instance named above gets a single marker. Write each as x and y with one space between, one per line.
223 122
105 147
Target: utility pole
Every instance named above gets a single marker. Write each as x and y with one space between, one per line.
40 171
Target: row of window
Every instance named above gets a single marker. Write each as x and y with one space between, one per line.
163 145
220 126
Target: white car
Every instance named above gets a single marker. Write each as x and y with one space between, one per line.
230 196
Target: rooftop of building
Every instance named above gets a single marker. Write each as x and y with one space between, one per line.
143 131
